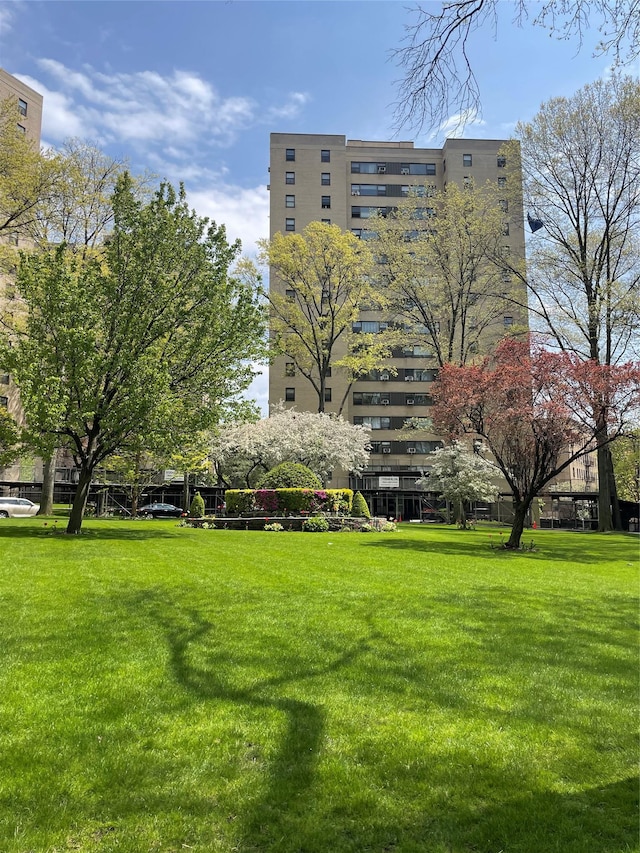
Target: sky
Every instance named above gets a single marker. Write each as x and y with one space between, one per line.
190 91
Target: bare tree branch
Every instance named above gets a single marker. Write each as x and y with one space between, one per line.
439 83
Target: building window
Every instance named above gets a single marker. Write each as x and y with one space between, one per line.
289 225
502 182
505 229
290 155
507 320
289 201
4 402
21 128
22 107
327 395
289 177
290 395
290 295
326 201
467 160
326 221
290 368
506 276
501 161
325 179
4 378
325 156
504 205
372 421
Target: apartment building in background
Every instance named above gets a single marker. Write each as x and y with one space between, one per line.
29 103
28 121
331 179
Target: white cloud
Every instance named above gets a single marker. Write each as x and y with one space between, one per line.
244 212
456 125
145 108
6 19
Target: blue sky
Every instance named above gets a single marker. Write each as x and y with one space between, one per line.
191 90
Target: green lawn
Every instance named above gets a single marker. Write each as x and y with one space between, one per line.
168 689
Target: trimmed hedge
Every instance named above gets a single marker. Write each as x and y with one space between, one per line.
288 501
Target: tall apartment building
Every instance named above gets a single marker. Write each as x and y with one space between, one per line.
29 122
332 179
29 104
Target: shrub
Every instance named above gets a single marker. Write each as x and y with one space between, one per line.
276 527
317 524
239 500
196 510
289 475
266 499
359 507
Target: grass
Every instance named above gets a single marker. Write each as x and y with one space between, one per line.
167 689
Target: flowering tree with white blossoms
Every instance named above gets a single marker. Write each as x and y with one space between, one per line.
318 440
462 476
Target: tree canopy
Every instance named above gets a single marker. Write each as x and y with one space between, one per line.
321 441
149 336
440 265
27 176
461 475
580 170
321 279
537 410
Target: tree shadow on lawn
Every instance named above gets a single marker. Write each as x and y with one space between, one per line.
419 795
56 533
495 806
486 545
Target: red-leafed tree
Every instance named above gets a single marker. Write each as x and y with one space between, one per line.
537 411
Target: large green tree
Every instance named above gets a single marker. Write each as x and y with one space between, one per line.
581 176
441 263
152 334
320 283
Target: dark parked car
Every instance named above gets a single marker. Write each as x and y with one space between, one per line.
161 511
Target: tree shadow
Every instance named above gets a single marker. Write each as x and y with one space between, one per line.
291 770
56 532
486 545
413 800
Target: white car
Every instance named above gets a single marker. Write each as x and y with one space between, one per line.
17 508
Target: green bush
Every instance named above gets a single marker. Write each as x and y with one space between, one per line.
317 524
239 501
359 507
196 510
289 475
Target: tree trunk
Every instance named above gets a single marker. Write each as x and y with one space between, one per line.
520 509
80 500
613 487
48 481
605 518
185 492
461 516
